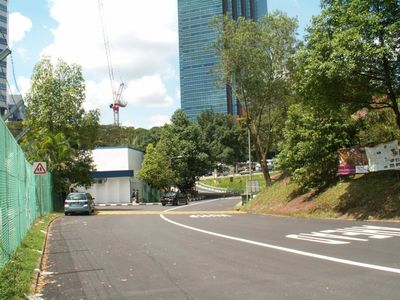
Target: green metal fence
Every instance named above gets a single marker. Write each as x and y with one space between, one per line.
23 196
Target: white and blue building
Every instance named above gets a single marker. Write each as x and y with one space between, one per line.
115 177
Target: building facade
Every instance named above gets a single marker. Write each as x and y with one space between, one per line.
115 177
198 82
3 64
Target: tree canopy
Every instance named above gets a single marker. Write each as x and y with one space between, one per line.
312 136
226 139
352 55
180 157
111 135
156 169
255 60
61 132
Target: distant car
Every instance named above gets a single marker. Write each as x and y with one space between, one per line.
270 164
244 172
174 198
79 203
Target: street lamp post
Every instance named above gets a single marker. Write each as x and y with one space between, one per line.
249 142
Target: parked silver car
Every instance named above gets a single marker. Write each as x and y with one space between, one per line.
79 203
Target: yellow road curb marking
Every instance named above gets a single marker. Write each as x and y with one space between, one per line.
174 212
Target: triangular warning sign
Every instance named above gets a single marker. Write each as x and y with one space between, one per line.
40 168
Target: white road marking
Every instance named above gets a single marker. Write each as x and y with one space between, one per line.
349 234
211 216
284 249
199 203
324 238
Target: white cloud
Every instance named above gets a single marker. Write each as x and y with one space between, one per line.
21 51
178 94
98 94
143 38
296 3
19 26
127 124
160 120
142 35
24 84
148 91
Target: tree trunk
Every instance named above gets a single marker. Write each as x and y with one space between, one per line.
262 159
265 171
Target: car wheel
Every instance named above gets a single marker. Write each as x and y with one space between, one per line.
163 204
65 213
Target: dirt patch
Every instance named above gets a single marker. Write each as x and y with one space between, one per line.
301 203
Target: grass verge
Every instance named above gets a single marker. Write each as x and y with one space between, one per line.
17 275
236 182
362 197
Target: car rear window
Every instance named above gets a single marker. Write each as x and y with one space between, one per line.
170 194
76 197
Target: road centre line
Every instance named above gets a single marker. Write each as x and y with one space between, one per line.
152 212
171 211
279 248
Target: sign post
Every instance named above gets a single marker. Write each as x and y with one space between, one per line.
40 169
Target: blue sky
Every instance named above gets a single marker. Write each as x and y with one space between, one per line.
143 43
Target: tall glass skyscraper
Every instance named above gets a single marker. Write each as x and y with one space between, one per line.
3 64
197 58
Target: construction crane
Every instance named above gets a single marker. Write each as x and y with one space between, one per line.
116 95
118 102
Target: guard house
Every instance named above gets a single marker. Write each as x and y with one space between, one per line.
114 178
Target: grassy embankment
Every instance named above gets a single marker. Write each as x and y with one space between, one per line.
234 183
17 276
369 196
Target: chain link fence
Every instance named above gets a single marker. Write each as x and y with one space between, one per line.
23 196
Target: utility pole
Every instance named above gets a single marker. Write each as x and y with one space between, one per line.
249 142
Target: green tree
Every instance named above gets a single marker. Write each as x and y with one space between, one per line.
111 135
61 133
377 126
225 138
182 146
156 169
312 136
352 55
16 127
255 60
144 137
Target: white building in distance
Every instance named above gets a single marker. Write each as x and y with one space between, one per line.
115 177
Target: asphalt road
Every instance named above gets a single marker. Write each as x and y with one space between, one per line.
208 251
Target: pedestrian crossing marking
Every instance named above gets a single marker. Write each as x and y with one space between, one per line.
343 236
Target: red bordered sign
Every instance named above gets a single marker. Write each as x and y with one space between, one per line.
39 168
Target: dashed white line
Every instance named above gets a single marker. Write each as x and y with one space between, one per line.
210 216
